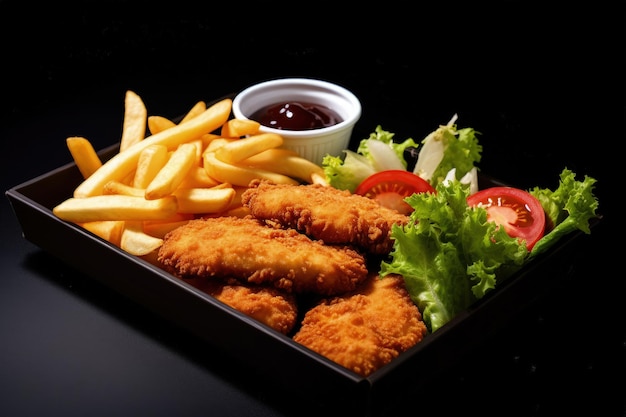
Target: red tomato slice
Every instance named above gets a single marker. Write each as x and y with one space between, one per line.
391 187
516 210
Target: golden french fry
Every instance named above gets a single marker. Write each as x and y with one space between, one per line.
128 179
125 162
239 211
198 108
84 155
203 200
236 128
199 149
239 190
286 162
115 207
119 188
109 230
134 125
217 143
197 177
136 242
208 138
158 124
159 228
226 185
173 173
240 175
319 179
151 160
240 149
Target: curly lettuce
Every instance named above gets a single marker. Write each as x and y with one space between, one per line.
568 208
450 255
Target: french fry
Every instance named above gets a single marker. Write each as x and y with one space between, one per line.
319 179
173 173
159 228
240 175
236 128
128 179
217 143
204 200
136 242
239 211
197 177
226 185
151 160
207 138
115 207
266 157
134 125
123 163
84 155
158 124
109 230
286 162
239 190
198 108
199 149
119 188
240 149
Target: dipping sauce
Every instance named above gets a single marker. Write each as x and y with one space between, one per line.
296 116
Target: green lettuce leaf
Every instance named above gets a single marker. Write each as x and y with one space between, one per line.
448 148
386 137
462 152
568 208
347 173
449 254
426 255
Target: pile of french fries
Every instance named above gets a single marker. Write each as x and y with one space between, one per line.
168 173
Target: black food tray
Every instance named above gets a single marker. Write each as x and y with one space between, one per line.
270 354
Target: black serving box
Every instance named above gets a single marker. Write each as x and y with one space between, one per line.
269 354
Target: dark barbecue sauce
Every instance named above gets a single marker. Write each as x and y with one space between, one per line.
296 116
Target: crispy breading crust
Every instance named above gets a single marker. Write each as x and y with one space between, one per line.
325 213
270 306
365 329
250 251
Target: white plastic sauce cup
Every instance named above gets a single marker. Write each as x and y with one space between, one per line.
311 144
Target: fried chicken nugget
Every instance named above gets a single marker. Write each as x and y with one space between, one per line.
326 213
250 251
270 306
365 329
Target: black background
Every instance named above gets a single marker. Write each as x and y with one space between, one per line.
543 85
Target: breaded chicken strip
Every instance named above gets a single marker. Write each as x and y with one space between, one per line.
365 329
270 306
325 213
250 251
